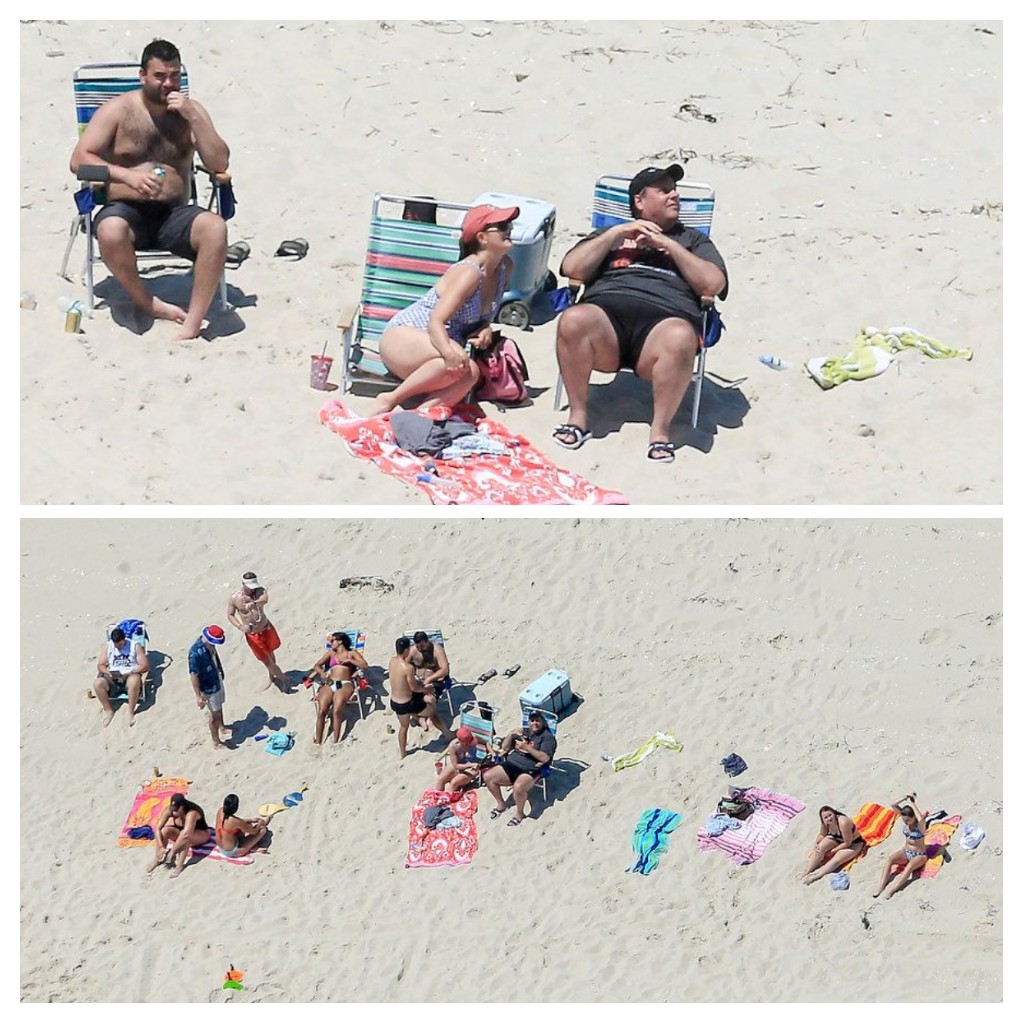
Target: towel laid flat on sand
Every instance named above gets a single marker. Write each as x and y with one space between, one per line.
523 477
211 851
150 802
874 822
747 843
659 739
429 848
650 837
936 839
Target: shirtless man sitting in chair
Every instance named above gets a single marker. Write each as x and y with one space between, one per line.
147 140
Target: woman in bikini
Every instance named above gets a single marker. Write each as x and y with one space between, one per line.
425 344
237 836
837 843
336 671
182 824
913 856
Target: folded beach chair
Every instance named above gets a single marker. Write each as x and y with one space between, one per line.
552 719
93 85
479 718
404 258
136 632
436 638
696 206
358 638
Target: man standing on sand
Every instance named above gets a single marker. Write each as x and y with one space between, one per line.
120 665
207 675
246 612
408 695
147 140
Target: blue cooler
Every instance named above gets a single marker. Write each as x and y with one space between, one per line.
551 692
532 233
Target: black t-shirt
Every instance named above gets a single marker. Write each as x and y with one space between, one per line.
543 742
649 274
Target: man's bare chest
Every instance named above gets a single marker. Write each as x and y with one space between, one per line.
140 138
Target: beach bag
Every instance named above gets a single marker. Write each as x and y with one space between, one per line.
502 373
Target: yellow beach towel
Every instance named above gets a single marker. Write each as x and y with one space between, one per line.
659 739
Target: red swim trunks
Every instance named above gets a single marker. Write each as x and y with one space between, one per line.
263 643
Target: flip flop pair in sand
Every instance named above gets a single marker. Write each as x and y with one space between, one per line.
237 253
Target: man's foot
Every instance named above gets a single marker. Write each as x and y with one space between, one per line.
108 717
217 745
497 812
189 329
161 310
569 435
661 451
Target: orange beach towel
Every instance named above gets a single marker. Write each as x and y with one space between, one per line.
874 822
150 802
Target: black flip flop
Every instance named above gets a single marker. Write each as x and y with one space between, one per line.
495 813
297 247
661 451
579 436
514 822
237 253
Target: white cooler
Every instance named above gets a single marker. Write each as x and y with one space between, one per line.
551 692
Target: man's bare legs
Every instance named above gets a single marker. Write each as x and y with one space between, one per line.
274 672
209 239
134 692
102 690
217 727
585 342
666 360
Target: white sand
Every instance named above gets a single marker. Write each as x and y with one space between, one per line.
858 168
845 661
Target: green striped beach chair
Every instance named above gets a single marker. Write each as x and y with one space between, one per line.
696 208
93 85
403 259
478 717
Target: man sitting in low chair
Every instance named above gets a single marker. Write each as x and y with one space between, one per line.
524 754
147 140
120 666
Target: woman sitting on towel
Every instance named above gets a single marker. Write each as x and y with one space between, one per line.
837 843
183 825
336 669
425 344
237 836
913 856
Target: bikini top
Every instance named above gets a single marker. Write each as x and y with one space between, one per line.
913 833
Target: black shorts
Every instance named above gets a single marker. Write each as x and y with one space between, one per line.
513 772
632 319
157 225
410 707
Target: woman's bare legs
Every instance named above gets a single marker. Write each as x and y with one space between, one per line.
341 699
895 860
409 354
822 849
324 700
834 863
914 864
168 834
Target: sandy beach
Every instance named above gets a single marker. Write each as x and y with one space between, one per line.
858 170
844 661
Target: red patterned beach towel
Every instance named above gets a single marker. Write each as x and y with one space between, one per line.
436 847
523 477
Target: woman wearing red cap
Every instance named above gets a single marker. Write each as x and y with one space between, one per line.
424 344
463 764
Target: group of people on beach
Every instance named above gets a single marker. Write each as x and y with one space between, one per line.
648 279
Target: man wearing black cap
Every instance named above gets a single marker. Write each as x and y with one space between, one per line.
641 309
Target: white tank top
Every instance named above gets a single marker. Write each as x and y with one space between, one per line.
124 661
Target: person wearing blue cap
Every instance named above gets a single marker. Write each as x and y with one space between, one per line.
207 676
641 309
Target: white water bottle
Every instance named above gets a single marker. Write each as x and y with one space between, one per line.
774 362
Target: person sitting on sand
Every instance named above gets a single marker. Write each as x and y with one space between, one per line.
462 762
431 664
237 836
147 139
182 824
524 753
408 697
120 666
836 844
335 671
247 611
913 856
424 344
207 675
641 309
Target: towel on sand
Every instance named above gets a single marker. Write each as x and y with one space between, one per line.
936 839
659 739
650 837
150 802
747 843
874 822
211 851
436 847
523 477
872 353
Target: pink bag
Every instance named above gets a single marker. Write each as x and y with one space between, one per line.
502 373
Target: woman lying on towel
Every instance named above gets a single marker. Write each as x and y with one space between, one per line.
836 844
913 856
237 836
425 344
336 670
184 825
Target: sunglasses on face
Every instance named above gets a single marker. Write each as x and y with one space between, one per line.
504 228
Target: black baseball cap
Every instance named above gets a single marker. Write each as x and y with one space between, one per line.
649 175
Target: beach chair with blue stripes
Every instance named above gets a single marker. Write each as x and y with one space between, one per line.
93 85
362 690
696 208
404 258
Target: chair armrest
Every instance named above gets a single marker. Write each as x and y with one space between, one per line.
347 317
220 177
707 301
574 288
96 174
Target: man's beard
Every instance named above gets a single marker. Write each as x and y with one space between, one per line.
155 95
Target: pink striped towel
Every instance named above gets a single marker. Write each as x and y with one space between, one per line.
747 843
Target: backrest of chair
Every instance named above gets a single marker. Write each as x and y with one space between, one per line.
482 728
357 636
94 84
611 203
134 629
403 259
433 635
549 716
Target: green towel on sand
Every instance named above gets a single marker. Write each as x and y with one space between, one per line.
872 353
